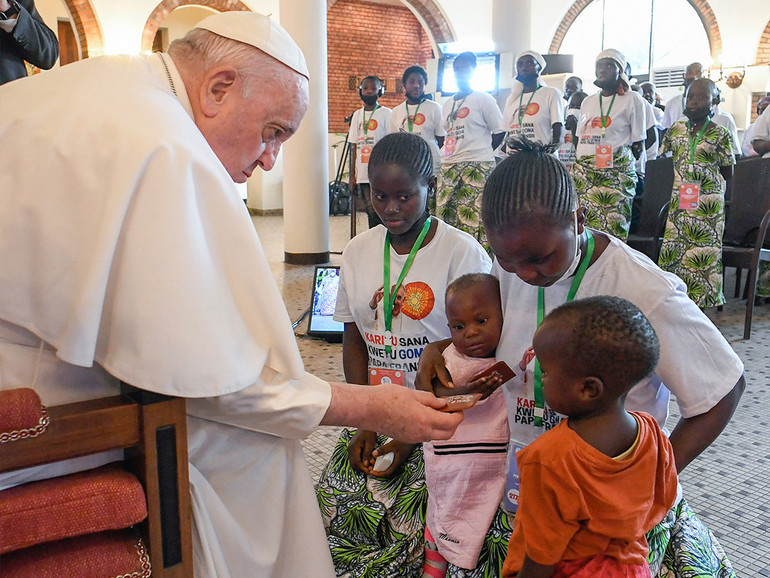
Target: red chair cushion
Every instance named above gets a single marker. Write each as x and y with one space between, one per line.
107 554
105 498
20 414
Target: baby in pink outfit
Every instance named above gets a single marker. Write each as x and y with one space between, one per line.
465 475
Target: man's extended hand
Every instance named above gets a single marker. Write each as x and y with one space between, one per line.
396 411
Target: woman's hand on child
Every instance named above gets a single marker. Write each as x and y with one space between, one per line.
360 450
401 452
431 366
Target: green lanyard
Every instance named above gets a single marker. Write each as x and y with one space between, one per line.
366 122
521 100
452 115
604 118
694 143
581 271
410 119
388 298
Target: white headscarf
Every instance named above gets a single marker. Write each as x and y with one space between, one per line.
517 87
536 55
618 57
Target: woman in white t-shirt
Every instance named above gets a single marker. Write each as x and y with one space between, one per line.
545 255
374 510
533 110
467 158
418 114
611 133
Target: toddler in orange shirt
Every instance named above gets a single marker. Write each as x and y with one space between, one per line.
592 487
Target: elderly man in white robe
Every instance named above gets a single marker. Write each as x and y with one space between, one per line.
126 253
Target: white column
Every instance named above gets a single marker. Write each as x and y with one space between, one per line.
511 25
305 162
511 33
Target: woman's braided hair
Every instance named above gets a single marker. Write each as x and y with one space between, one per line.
409 151
531 180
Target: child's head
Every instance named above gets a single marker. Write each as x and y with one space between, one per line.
701 95
414 80
401 178
576 100
572 85
371 89
648 92
474 314
592 352
529 209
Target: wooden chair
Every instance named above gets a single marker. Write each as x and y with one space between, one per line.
658 183
746 224
152 430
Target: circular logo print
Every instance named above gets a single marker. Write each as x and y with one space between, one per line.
596 122
463 112
371 125
418 301
419 118
532 109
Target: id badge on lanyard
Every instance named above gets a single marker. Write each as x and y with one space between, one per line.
604 156
512 482
378 375
689 196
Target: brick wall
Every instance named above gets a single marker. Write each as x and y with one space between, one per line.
366 38
763 50
87 27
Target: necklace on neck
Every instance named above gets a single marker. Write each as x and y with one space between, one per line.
168 73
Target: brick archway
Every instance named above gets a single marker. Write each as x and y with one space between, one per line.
701 7
430 13
763 50
166 6
87 27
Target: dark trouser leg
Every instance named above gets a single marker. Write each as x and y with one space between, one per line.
365 191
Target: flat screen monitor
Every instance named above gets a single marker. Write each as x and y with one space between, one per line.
484 78
326 281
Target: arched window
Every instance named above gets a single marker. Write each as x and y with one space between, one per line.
650 33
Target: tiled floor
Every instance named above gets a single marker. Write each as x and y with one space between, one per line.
728 485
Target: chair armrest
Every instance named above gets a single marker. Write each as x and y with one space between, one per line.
76 429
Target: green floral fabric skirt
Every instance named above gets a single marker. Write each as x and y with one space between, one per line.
376 526
458 196
607 194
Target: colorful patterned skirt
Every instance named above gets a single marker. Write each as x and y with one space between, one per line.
607 194
458 197
681 546
692 246
376 526
492 555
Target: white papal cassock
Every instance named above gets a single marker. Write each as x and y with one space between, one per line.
126 250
